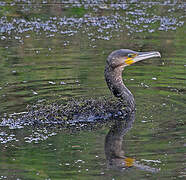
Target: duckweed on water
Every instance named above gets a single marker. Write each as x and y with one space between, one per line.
142 19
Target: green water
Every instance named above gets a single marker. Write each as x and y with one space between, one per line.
50 52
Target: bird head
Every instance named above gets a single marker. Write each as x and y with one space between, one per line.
125 57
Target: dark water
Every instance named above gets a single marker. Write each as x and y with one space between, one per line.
51 52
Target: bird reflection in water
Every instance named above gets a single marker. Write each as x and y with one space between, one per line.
114 149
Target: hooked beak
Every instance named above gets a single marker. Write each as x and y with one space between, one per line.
146 55
141 56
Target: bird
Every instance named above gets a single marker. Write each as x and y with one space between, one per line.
115 64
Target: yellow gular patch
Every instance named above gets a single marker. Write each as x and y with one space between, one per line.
129 61
129 162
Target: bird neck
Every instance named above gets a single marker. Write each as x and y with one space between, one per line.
115 83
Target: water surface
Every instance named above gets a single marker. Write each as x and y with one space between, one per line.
52 52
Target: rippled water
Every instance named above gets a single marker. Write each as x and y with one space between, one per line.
52 52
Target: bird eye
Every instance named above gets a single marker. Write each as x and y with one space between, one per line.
129 55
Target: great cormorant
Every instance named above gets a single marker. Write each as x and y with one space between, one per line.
115 64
